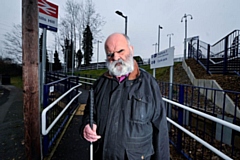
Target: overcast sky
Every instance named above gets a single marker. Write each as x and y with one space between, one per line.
212 20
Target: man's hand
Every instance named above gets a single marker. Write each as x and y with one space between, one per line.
91 134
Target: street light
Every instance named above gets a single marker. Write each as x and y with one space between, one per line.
170 38
155 44
159 27
185 39
98 51
121 14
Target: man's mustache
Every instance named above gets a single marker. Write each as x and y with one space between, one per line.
118 62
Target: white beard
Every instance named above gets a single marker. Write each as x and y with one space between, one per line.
119 68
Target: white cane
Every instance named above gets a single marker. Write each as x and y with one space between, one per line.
91 120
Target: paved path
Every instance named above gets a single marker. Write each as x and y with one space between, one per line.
12 129
72 146
11 123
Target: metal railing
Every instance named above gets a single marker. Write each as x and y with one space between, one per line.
195 137
59 104
195 109
222 57
206 144
102 65
45 129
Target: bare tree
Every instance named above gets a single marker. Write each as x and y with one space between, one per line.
12 43
72 9
93 20
78 16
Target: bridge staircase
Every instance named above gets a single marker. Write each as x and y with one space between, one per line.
223 57
216 65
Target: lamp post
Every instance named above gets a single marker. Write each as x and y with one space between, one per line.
121 14
155 44
185 39
98 51
170 38
159 27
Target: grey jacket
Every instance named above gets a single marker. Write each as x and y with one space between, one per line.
130 117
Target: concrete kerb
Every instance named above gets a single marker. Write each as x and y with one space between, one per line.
229 104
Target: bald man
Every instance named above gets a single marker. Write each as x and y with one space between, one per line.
129 113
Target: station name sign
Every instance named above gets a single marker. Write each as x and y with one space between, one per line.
48 15
162 59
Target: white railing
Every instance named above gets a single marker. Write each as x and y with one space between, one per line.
45 130
217 120
85 78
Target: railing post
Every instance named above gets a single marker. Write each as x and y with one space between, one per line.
69 86
85 81
180 118
45 104
225 55
45 95
208 57
90 82
77 82
190 49
197 49
65 86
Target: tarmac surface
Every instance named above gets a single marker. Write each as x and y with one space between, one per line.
11 123
72 146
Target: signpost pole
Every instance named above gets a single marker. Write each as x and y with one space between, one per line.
171 71
43 60
154 72
170 87
163 59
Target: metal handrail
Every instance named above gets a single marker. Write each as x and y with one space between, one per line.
209 146
92 79
219 153
45 130
226 36
225 123
86 78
